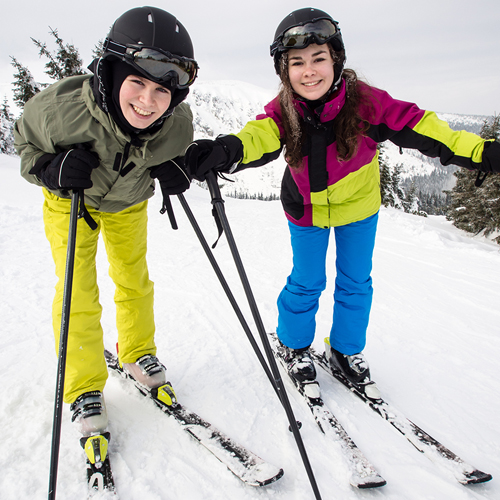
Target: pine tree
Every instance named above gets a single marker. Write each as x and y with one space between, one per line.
477 209
6 129
386 192
397 192
63 63
25 86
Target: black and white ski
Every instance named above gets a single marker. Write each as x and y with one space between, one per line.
363 473
244 464
99 475
421 440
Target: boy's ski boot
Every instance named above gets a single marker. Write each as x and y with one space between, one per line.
147 370
89 412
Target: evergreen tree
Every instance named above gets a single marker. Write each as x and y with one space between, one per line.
386 192
477 209
397 192
25 86
6 129
98 49
62 63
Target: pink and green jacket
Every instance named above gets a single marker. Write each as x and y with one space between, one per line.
327 192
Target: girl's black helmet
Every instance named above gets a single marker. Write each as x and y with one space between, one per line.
303 17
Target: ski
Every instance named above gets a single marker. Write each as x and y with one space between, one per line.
363 473
244 464
99 475
421 440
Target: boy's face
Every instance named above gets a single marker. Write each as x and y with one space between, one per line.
142 101
311 71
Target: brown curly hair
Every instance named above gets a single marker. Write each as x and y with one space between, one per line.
349 125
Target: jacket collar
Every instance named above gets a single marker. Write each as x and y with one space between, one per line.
325 112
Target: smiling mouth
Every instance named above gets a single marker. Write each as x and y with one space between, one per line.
312 84
141 112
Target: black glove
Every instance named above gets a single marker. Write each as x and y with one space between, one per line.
491 157
204 155
67 170
172 176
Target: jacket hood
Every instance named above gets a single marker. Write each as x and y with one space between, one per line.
102 87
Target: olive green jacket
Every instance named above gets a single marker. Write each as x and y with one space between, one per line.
66 114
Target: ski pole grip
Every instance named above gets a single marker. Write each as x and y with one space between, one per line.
213 186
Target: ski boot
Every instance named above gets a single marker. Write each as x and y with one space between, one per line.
354 367
89 412
147 370
299 363
352 371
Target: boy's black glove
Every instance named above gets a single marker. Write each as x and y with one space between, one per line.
172 176
67 170
220 155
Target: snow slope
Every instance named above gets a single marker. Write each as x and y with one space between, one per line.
433 345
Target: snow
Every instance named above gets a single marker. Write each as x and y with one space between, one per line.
433 347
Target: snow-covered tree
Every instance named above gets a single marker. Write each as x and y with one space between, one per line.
473 208
25 86
385 179
390 187
63 62
6 129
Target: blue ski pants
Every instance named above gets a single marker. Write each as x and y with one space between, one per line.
298 302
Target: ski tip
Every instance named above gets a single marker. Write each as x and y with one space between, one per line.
270 480
260 474
372 481
476 477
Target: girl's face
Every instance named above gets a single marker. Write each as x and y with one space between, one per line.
142 101
311 71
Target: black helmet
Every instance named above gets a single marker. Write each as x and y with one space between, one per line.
155 43
312 26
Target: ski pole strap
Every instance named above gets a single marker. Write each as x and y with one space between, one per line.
217 220
167 207
84 213
213 187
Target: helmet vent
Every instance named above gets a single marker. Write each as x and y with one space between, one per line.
177 28
150 18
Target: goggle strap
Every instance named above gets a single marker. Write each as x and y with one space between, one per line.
113 47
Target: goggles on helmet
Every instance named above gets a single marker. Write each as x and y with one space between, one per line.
299 37
158 65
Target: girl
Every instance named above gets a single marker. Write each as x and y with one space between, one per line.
111 134
329 124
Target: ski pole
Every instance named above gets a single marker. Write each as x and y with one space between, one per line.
218 203
63 341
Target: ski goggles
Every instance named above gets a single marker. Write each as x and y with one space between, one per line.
299 37
158 65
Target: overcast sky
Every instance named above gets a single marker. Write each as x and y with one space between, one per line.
442 54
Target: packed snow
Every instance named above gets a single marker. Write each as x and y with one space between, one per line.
433 346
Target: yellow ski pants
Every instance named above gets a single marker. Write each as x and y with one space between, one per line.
125 239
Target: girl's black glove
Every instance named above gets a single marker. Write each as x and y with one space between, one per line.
172 176
68 170
220 155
